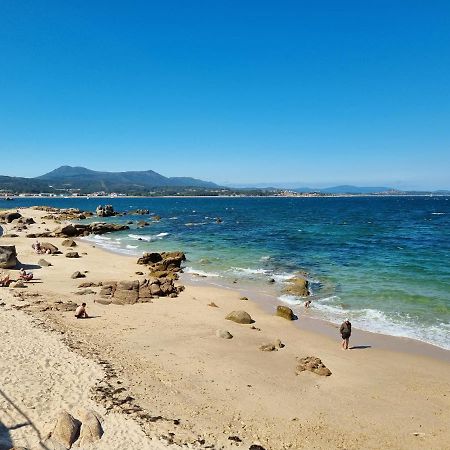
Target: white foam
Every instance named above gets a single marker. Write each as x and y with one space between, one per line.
148 237
438 213
132 246
202 273
195 224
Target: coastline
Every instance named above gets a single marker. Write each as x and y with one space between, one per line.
168 355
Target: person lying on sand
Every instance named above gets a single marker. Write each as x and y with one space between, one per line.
37 247
80 312
5 281
25 276
346 331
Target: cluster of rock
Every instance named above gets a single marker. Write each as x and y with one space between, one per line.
105 211
139 212
8 217
60 214
80 229
137 291
68 430
8 256
165 264
312 364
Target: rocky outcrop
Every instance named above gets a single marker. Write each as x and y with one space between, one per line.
297 286
239 317
78 229
61 214
8 256
139 212
8 217
285 312
163 262
105 211
272 347
312 364
130 292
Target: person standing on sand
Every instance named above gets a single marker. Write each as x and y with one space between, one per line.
346 332
80 312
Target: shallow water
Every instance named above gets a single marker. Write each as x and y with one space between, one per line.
383 262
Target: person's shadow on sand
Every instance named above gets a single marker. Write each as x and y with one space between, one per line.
360 347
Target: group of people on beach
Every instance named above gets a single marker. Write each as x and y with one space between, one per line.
5 279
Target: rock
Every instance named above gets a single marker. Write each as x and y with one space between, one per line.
224 334
271 280
8 256
313 364
105 211
297 286
142 224
68 243
149 258
256 447
140 212
91 429
10 235
66 430
285 312
49 248
240 317
44 263
139 273
88 284
213 305
243 298
156 218
19 284
268 348
9 217
78 274
72 255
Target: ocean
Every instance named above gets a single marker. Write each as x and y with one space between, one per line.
384 262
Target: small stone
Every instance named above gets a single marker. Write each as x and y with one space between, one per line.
78 274
213 305
240 317
243 298
224 334
44 263
72 255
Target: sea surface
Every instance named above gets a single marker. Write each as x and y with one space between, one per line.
383 262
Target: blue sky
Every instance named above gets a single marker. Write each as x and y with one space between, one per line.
317 93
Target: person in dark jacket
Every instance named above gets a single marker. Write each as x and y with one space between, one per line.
346 331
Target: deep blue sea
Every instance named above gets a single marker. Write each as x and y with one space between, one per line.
383 262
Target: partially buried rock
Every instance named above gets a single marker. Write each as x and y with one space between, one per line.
78 274
224 334
18 284
91 429
285 312
46 247
240 317
243 298
213 305
68 243
313 364
272 347
65 432
72 255
44 263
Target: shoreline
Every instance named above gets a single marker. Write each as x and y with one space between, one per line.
166 354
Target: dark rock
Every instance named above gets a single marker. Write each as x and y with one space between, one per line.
8 256
48 248
105 211
149 258
9 217
72 255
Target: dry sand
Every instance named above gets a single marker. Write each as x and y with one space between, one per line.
203 389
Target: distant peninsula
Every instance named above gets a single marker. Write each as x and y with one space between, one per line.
80 181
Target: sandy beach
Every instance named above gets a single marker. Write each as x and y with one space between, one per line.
160 377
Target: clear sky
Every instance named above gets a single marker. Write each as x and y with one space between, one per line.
314 92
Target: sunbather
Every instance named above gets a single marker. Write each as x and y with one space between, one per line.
26 276
5 281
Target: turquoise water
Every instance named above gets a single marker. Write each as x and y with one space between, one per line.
383 262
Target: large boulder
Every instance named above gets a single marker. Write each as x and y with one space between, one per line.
150 258
68 243
312 364
105 211
66 430
297 286
8 256
285 312
91 429
240 317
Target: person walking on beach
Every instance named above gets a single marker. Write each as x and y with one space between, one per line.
80 312
346 331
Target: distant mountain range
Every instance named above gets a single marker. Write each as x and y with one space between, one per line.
88 181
